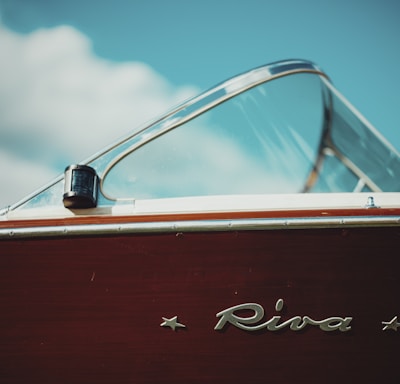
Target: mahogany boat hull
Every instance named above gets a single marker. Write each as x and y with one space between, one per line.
90 308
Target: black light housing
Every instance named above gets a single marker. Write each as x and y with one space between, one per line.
80 187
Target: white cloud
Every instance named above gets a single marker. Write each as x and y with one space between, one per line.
59 103
17 174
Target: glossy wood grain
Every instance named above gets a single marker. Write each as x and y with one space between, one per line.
167 217
88 309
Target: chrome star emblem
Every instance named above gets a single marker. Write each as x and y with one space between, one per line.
172 323
392 324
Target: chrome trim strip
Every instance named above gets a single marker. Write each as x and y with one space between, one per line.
180 227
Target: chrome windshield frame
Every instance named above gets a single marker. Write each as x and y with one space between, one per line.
179 115
208 100
103 161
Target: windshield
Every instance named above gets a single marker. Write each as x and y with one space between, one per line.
281 128
290 135
264 140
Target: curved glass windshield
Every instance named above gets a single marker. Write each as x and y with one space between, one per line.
289 135
264 140
279 128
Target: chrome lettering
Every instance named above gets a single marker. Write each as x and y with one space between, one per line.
296 323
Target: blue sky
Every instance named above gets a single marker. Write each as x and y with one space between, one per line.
75 72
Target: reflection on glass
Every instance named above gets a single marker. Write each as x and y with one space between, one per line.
264 140
373 160
293 133
289 135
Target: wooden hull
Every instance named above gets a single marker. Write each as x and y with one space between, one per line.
89 309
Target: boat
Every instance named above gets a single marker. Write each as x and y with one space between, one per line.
247 235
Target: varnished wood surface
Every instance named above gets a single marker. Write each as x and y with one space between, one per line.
88 309
111 219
